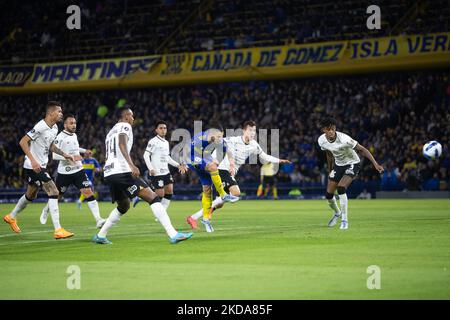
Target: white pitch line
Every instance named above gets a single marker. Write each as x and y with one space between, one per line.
146 234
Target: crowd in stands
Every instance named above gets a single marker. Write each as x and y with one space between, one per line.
36 31
392 114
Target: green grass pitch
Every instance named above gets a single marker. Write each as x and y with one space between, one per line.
260 250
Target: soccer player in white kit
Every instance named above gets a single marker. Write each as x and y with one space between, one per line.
241 147
36 145
123 178
157 158
343 165
70 173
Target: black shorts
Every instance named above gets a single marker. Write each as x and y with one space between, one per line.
271 180
78 179
124 185
338 172
227 180
37 178
159 182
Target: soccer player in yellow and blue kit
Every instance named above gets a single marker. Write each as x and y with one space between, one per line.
206 167
91 166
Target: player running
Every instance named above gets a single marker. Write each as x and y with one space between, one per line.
124 181
90 166
242 147
36 145
344 169
70 173
206 166
157 158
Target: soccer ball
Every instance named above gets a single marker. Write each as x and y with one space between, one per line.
432 150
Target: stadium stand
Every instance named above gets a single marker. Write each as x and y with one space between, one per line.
113 28
382 111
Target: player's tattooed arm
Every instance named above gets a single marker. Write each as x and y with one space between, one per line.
55 149
25 145
366 153
330 160
123 138
232 164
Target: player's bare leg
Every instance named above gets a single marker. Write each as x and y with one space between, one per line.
344 183
160 213
331 188
53 195
27 198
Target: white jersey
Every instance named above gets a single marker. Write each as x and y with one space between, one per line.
342 148
241 151
159 155
68 143
42 137
115 162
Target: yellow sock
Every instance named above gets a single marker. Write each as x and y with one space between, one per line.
82 198
275 192
215 177
259 192
266 191
206 204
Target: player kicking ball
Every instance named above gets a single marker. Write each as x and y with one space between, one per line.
242 147
203 162
36 145
72 173
124 181
343 170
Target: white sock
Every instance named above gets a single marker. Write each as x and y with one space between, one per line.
93 205
113 218
217 202
333 205
161 214
21 204
165 203
197 215
54 212
343 201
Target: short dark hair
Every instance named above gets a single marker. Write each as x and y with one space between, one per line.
51 105
327 122
121 111
249 123
216 125
160 122
69 116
